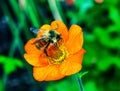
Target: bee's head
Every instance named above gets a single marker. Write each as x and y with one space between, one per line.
54 35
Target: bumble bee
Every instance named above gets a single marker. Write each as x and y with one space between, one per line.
49 37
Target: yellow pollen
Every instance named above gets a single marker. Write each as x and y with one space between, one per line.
57 53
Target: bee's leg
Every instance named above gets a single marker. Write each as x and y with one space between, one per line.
55 44
38 46
45 49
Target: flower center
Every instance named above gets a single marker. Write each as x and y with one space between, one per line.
56 52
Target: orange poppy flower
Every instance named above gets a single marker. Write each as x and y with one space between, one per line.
61 58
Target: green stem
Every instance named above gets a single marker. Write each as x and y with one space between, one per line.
5 76
32 13
80 84
54 10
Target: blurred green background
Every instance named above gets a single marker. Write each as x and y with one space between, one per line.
100 21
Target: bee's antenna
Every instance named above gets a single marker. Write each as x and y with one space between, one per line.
34 30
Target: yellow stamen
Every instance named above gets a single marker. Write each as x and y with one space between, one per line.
57 53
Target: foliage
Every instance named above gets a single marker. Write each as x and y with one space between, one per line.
10 64
101 27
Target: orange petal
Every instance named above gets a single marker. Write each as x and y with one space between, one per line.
31 48
47 73
61 28
78 56
36 60
72 64
70 68
75 40
34 56
32 59
43 29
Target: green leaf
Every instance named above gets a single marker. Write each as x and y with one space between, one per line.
1 85
67 84
91 86
10 64
81 74
109 37
114 14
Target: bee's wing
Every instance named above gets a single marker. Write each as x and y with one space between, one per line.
40 40
34 30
